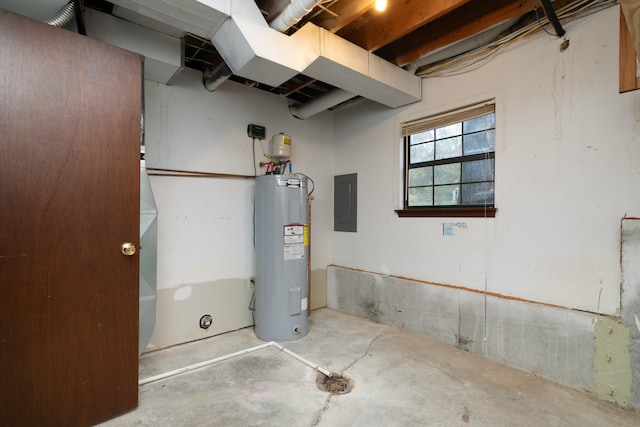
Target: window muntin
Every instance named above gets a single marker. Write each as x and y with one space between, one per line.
450 159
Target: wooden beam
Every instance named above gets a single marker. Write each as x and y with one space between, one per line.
628 79
466 21
296 84
347 10
631 11
399 19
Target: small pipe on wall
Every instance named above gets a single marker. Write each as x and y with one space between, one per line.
194 174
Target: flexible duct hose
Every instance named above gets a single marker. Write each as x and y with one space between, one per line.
65 15
293 13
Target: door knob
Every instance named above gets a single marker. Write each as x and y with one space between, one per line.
128 249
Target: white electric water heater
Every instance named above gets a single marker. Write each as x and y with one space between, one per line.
282 251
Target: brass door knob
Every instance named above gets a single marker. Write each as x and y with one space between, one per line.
128 249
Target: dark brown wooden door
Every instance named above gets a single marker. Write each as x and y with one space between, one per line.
69 198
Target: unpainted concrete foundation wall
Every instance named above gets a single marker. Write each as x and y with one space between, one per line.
581 350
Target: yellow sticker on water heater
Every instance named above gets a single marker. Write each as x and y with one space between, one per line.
306 234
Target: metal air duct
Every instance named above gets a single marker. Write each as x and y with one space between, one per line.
163 54
255 51
321 103
219 75
293 13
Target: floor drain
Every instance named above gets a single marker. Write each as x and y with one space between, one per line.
335 384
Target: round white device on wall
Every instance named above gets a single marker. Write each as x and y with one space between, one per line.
281 146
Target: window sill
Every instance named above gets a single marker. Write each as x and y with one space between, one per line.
471 212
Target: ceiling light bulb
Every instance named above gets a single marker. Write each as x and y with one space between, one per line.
381 5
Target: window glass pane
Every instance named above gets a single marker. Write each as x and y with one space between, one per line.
450 147
446 174
451 165
477 170
446 195
425 136
421 196
480 123
421 153
477 194
480 142
449 131
420 176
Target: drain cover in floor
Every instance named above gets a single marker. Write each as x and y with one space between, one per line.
335 384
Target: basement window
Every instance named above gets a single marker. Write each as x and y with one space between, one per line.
449 163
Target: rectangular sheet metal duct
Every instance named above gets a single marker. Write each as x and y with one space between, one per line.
163 54
255 51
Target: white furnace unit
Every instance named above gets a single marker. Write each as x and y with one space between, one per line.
282 251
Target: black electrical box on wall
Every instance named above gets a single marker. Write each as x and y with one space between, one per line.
256 131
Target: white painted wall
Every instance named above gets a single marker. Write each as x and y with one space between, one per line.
205 226
567 171
568 161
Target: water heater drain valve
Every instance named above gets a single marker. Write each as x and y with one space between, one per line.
206 321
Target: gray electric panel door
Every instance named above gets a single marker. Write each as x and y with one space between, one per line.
282 251
345 202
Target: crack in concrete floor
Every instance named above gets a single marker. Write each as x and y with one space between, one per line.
327 402
359 358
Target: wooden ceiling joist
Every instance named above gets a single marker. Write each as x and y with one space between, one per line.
463 22
397 21
346 11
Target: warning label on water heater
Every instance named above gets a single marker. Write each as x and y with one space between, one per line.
294 241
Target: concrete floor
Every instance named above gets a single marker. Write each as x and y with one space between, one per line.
399 379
